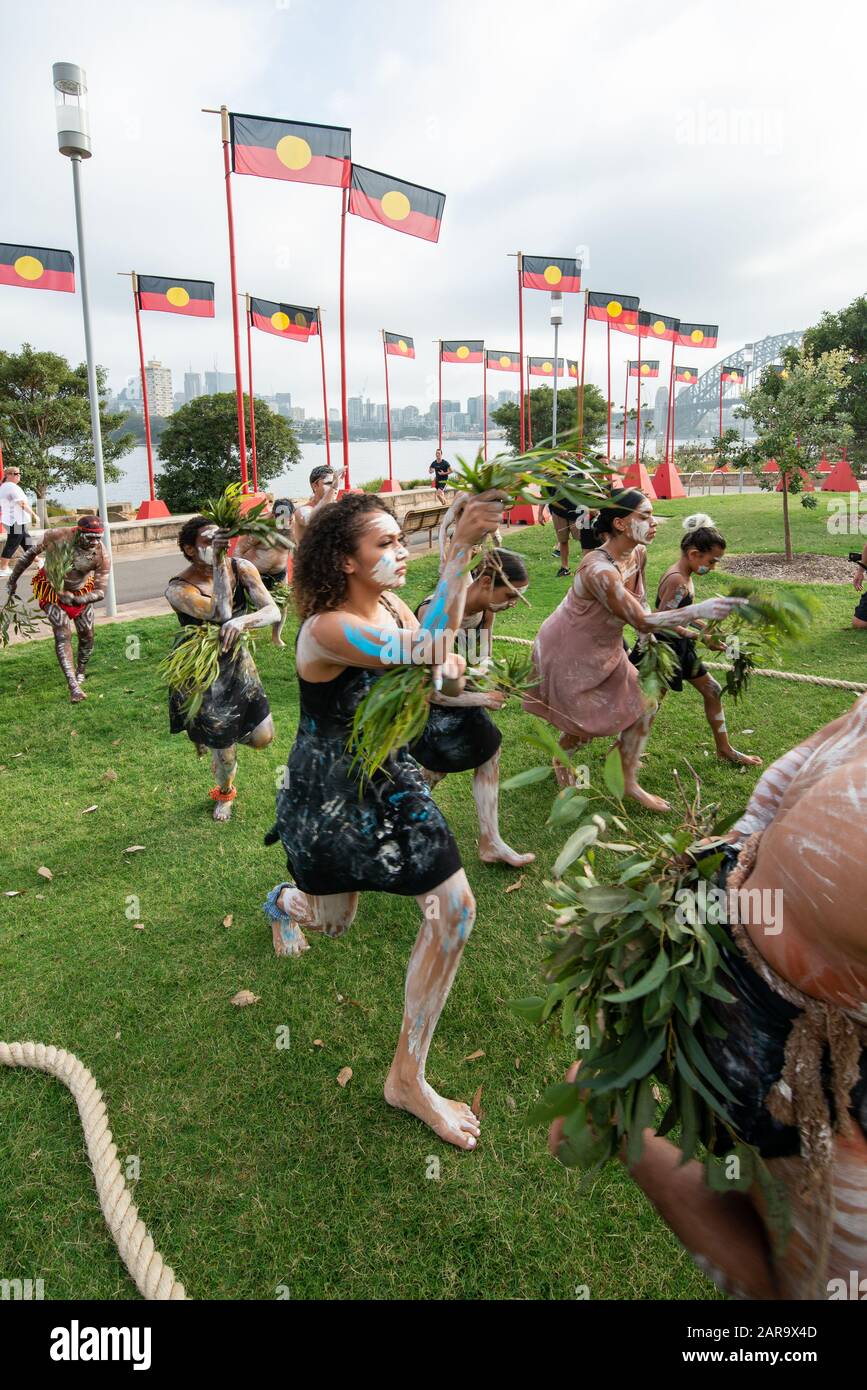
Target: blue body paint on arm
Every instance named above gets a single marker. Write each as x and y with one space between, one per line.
370 646
435 615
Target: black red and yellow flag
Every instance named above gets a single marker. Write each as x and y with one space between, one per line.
462 350
687 375
620 310
285 320
551 273
544 366
36 267
503 361
779 370
735 374
644 369
399 346
572 368
291 150
194 297
702 335
658 326
406 207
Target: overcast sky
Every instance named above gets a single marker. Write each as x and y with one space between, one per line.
706 156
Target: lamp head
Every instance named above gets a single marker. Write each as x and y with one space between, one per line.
73 120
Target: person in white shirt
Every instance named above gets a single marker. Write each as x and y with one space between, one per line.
13 515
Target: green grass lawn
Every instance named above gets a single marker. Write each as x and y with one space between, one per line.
256 1168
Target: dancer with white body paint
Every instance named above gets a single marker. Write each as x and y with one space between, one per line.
793 1050
701 549
324 485
342 838
588 687
459 733
274 562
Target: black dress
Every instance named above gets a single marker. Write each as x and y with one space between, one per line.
236 703
455 739
389 836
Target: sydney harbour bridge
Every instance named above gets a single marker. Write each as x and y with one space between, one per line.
698 405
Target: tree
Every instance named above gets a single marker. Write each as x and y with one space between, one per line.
507 416
847 330
729 448
798 415
45 422
199 449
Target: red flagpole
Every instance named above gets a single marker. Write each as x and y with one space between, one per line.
529 411
440 351
239 385
485 400
638 422
252 405
625 404
608 453
387 408
144 390
670 399
720 404
324 389
343 340
521 341
581 396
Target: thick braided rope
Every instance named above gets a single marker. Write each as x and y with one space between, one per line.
759 671
152 1276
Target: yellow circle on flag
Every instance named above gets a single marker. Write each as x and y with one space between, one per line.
396 205
784 374
615 309
463 351
178 296
659 326
546 367
644 369
300 320
29 268
573 368
696 335
687 376
294 152
553 274
630 327
402 345
280 321
505 361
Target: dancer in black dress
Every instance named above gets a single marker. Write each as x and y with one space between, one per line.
234 709
460 734
341 837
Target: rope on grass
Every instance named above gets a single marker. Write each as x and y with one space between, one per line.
759 671
153 1278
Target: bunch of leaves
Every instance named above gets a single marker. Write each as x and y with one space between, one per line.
17 620
633 969
755 633
281 594
226 513
513 673
58 563
582 481
656 666
393 713
193 664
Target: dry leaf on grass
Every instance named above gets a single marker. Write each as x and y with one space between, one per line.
134 849
14 893
138 926
344 1076
519 883
474 1056
228 920
510 1101
517 1064
317 1042
476 1106
45 873
87 810
110 775
115 742
244 996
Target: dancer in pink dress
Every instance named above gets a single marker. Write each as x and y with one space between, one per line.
587 686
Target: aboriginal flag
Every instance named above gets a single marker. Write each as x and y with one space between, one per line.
551 273
404 206
36 267
284 320
657 326
572 368
688 375
544 366
644 369
396 346
620 310
194 297
697 335
291 150
779 369
462 350
503 361
734 374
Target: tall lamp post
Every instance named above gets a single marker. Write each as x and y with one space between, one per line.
556 320
748 357
73 140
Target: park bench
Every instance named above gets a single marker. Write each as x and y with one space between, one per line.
420 519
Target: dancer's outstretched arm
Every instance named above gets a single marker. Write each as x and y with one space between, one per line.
607 586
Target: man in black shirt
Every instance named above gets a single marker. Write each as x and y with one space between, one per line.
570 520
440 468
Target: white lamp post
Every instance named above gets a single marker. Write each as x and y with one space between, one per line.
73 140
747 355
556 319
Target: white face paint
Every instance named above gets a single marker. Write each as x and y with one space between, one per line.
389 572
509 603
640 528
204 546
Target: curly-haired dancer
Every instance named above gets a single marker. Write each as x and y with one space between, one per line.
387 835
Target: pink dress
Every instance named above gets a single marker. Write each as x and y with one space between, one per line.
587 684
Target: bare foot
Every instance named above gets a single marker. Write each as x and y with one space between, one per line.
222 810
278 642
653 803
731 755
76 694
288 939
452 1120
498 852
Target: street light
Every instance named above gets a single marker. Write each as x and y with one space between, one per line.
556 319
73 140
747 355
